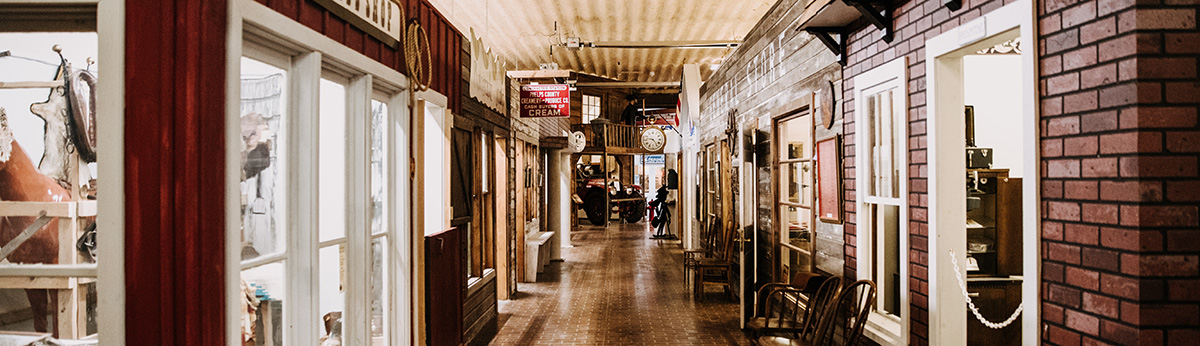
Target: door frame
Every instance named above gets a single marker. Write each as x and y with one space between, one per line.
947 309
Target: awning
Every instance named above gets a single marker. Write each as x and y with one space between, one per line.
828 21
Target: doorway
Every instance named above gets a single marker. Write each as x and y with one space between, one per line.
983 156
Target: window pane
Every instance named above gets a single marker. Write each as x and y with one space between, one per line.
886 256
263 201
37 144
263 106
332 157
799 230
885 139
268 285
378 152
795 138
332 285
379 287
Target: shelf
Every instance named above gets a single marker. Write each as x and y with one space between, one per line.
981 223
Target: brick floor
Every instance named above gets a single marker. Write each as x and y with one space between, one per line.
617 287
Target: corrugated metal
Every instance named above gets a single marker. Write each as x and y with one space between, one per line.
523 32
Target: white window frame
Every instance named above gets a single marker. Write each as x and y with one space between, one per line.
883 328
110 215
311 54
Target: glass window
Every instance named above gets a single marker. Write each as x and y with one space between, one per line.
41 164
591 108
331 196
881 140
885 141
795 172
263 194
379 232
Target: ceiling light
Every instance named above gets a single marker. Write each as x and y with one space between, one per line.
714 67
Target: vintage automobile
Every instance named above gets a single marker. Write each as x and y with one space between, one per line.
627 201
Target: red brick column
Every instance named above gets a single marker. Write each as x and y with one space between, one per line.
1119 171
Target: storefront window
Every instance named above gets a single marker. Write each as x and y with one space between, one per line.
48 180
327 120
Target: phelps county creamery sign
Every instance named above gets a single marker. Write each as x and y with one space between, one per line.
545 101
382 19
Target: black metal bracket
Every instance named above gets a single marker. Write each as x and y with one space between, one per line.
837 45
881 19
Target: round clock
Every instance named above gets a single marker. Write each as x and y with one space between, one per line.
653 138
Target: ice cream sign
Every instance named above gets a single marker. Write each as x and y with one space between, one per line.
545 101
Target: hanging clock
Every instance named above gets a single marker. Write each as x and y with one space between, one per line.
653 138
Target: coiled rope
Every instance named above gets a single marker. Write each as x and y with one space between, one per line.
963 285
417 54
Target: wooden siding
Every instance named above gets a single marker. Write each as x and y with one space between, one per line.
444 40
174 200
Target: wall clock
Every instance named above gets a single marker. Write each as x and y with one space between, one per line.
653 138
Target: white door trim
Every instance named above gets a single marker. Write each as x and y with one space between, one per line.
947 309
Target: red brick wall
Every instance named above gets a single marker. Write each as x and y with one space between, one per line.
1120 188
444 40
915 21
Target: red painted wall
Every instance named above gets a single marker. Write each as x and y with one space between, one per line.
444 40
175 206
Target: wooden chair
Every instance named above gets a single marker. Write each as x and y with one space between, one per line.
708 240
780 309
718 268
841 323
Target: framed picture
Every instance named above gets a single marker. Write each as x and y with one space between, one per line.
829 180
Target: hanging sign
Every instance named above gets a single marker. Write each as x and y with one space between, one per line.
381 19
545 101
487 74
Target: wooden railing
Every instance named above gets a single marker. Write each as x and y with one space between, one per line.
610 135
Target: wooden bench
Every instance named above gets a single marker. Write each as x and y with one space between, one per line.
537 254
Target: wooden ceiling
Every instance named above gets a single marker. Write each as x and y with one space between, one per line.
525 33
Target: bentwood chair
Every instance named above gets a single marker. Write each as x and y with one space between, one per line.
780 309
841 323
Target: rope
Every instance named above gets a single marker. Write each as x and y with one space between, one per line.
963 285
417 55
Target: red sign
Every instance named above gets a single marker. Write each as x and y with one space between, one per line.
545 101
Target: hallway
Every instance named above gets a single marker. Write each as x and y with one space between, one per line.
617 287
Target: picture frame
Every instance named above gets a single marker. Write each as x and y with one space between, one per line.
829 180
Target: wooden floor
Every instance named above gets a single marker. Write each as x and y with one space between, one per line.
617 287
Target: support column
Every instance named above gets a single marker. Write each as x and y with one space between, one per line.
557 207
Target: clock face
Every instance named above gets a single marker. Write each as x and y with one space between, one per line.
653 139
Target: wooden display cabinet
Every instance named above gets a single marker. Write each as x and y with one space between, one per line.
994 241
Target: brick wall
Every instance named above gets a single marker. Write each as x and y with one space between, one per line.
1120 188
914 22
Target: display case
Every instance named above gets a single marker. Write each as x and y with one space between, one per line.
993 252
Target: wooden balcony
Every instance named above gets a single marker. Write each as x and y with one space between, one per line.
616 139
